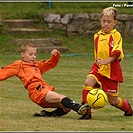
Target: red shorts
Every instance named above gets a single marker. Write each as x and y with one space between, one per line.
37 93
109 86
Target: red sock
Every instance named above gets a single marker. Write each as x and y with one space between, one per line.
85 91
125 106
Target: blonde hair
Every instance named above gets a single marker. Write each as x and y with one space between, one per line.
25 46
110 11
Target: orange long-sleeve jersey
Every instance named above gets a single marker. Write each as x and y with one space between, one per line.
27 72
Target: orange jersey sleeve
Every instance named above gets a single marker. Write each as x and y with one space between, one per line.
9 70
27 72
51 63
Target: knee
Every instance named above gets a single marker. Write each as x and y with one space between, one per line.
90 81
86 83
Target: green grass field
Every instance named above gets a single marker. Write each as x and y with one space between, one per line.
67 77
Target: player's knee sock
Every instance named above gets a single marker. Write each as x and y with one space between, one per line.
125 106
57 112
68 103
85 91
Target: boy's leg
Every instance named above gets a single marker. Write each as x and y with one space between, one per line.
67 103
125 106
120 104
80 109
85 91
53 97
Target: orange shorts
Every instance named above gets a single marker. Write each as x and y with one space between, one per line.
109 86
37 93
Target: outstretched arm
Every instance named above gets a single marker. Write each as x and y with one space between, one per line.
50 63
9 71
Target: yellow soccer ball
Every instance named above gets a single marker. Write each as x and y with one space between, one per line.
96 98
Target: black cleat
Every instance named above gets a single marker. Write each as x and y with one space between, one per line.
43 113
86 117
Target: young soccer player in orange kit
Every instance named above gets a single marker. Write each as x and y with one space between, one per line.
30 71
106 70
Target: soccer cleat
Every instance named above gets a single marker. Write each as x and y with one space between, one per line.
129 112
83 109
43 113
86 117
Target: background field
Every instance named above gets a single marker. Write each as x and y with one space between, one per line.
68 77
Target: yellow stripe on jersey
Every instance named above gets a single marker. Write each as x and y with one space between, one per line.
105 46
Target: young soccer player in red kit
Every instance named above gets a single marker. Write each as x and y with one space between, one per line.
30 71
106 70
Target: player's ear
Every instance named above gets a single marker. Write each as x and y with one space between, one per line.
22 54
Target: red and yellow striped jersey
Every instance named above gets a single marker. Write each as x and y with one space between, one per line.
106 45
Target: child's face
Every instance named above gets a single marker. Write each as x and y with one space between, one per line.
107 23
29 55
